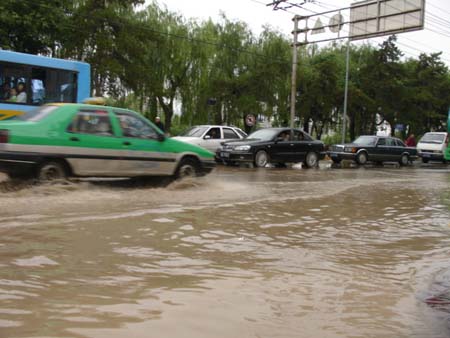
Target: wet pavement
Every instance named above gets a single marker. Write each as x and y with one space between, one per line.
359 252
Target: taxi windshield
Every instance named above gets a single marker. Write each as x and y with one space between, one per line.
36 114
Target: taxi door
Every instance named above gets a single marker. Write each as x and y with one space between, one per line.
143 149
90 144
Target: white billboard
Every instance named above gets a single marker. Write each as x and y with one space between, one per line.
373 18
362 20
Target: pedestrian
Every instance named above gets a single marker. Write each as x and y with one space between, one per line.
410 141
159 124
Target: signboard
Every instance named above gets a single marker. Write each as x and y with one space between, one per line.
362 20
399 127
250 120
372 18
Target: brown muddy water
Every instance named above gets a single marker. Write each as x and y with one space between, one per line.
239 253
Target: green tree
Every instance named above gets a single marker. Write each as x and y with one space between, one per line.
33 26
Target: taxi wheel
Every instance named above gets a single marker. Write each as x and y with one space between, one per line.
261 159
424 160
51 171
187 168
312 160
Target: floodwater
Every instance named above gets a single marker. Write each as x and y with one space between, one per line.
239 253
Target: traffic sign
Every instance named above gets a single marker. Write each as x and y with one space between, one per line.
250 120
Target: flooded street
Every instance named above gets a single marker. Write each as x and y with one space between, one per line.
239 253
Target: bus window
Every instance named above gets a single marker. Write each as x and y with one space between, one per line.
14 83
38 86
51 85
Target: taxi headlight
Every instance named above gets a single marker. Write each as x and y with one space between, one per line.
242 148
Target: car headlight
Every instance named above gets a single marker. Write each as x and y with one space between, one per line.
350 150
242 148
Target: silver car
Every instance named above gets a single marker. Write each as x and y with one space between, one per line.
210 136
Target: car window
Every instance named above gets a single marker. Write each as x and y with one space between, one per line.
366 140
400 143
300 136
229 133
381 142
433 138
136 127
390 142
285 135
241 132
213 133
96 122
194 132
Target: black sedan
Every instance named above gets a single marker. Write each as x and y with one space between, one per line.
377 149
273 145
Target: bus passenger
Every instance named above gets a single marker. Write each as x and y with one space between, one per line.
12 95
6 92
22 96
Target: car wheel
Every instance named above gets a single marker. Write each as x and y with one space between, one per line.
51 171
424 160
187 168
261 159
404 160
361 158
312 159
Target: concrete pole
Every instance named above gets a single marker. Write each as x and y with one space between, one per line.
294 71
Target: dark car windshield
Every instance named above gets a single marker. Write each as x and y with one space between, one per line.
433 138
366 140
37 114
264 134
194 132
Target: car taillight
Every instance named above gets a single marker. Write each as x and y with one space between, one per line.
4 136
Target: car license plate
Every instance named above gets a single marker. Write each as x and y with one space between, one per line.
224 154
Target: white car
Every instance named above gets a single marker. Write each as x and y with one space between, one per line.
210 136
432 146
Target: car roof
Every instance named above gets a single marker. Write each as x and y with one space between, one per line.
436 132
214 126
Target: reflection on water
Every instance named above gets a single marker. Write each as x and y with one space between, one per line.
239 253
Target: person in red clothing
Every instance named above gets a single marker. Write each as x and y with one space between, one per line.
410 141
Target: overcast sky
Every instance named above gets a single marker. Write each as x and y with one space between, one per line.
434 38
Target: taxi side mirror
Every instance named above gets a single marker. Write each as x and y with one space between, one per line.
161 137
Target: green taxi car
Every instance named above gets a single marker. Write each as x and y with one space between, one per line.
59 140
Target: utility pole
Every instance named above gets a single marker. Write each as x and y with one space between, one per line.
347 71
294 70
